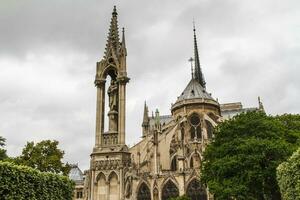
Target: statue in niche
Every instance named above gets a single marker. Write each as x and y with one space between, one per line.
113 95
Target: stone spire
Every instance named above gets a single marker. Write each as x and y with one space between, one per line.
123 43
198 72
146 120
145 117
113 40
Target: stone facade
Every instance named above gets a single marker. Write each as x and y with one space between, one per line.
167 161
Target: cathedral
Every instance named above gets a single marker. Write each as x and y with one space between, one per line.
166 162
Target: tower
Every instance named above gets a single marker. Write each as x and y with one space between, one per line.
110 157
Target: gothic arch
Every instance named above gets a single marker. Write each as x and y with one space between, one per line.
101 186
100 175
195 160
113 173
209 129
113 185
195 191
110 70
143 192
169 190
195 130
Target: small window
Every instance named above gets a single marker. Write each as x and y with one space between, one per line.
174 164
79 195
195 119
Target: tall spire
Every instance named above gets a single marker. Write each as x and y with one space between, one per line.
145 117
198 73
113 40
145 124
123 43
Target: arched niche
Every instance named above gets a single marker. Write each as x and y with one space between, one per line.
195 191
195 161
173 166
143 192
209 129
169 190
113 186
101 187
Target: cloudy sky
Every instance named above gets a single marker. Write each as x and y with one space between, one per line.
48 51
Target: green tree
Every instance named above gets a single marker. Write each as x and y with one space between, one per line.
241 161
180 198
44 156
288 176
2 150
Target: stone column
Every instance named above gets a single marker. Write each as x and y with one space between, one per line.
92 181
122 104
121 184
100 84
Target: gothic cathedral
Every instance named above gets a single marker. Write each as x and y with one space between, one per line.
167 161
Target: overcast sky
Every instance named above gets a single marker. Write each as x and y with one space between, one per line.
49 50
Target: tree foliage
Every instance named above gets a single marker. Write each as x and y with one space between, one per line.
2 150
21 182
180 198
288 176
241 161
44 156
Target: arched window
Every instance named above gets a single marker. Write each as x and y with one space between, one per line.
174 164
195 132
195 129
209 129
169 190
195 191
144 192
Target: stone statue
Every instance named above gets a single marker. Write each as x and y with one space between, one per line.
113 95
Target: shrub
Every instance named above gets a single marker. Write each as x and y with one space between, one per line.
288 176
21 182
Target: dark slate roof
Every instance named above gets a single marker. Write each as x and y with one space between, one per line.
194 90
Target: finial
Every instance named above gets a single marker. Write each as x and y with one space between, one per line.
194 29
113 40
123 37
115 11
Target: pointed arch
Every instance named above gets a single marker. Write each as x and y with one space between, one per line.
101 186
99 176
143 192
112 175
113 185
169 190
209 129
195 160
110 70
195 190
